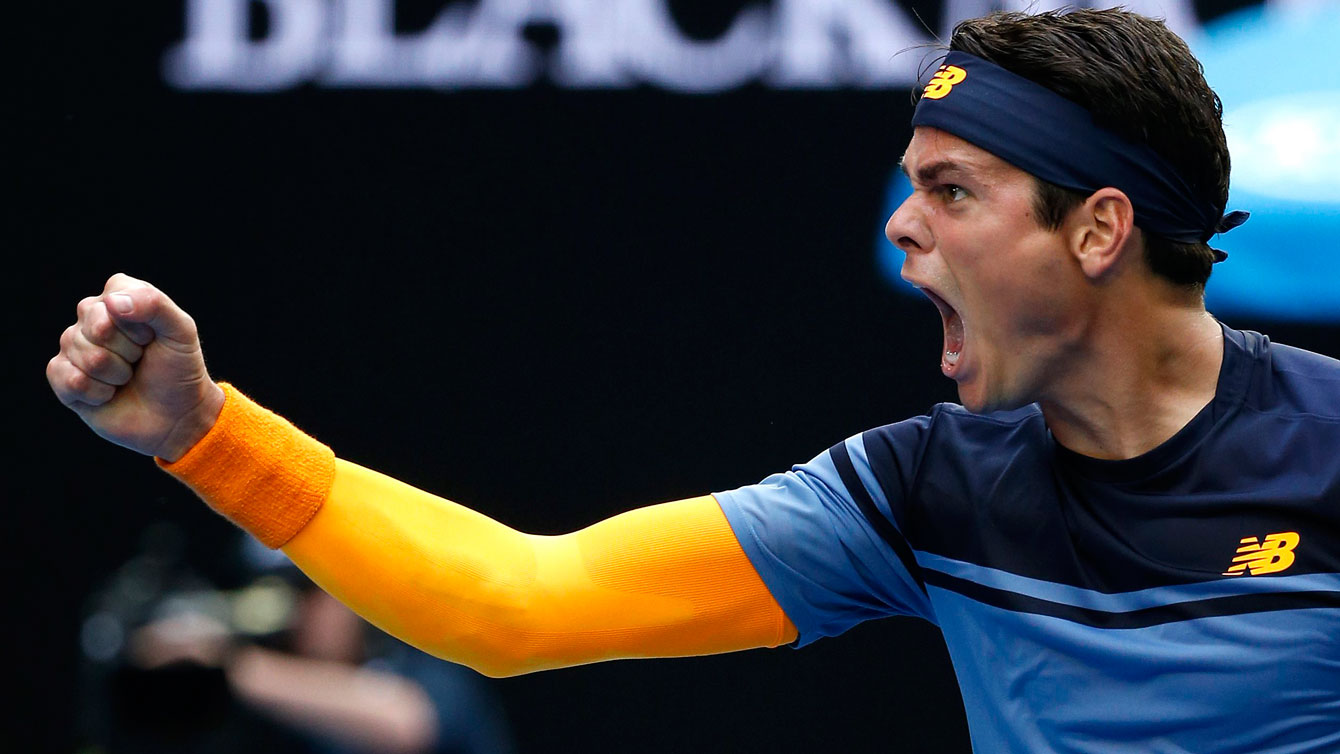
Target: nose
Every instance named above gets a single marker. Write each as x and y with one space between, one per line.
907 228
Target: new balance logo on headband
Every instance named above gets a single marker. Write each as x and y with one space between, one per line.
943 81
1257 557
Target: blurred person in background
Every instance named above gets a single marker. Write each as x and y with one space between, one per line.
274 666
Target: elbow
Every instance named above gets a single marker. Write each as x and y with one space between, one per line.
501 669
498 659
513 638
512 652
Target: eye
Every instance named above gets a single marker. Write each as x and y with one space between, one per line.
953 193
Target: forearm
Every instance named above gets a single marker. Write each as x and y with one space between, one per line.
668 580
365 708
662 581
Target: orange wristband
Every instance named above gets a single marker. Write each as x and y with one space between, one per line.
258 470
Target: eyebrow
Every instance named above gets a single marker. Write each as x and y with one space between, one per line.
928 173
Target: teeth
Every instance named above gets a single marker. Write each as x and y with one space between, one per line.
951 357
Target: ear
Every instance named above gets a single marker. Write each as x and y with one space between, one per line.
1099 230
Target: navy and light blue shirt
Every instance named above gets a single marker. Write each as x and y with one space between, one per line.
1187 600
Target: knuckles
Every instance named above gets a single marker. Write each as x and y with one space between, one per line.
77 381
119 281
85 304
99 328
97 360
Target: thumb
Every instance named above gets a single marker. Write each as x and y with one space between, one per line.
144 313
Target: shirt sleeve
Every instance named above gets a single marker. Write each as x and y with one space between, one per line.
825 538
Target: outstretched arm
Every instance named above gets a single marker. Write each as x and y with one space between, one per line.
669 580
661 581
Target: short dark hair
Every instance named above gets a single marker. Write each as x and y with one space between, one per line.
1138 79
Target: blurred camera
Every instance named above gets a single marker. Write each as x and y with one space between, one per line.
155 642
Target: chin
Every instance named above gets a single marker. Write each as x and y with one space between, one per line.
978 400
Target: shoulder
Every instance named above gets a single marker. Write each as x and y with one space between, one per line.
952 440
950 426
1291 381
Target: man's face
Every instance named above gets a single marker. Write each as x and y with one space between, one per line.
1009 293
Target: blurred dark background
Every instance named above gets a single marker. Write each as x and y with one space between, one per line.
548 303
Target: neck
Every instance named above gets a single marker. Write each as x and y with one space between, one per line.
1139 375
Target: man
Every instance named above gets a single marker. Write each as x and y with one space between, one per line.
1126 533
309 679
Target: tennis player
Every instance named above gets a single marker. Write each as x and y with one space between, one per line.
1129 531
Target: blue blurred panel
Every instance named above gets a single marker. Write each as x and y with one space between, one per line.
888 256
1275 70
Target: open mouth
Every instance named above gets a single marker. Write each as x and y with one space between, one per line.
953 329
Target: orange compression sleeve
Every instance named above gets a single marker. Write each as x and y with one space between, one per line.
667 580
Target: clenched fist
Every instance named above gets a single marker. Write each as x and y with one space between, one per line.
132 368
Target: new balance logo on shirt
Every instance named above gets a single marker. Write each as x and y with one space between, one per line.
1273 555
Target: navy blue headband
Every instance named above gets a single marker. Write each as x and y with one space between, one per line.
1047 135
